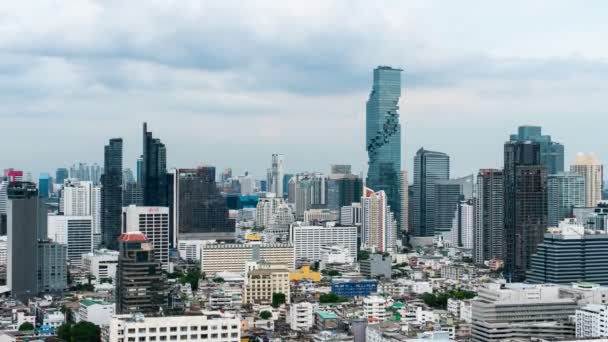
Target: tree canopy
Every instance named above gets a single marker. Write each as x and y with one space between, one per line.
329 298
278 298
81 331
26 326
265 315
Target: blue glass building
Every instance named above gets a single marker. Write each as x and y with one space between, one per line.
383 135
551 152
361 288
44 185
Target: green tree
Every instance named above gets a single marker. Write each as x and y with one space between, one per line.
278 298
265 315
218 280
362 255
330 298
27 326
64 331
334 273
85 331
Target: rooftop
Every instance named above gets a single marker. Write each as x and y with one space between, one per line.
133 236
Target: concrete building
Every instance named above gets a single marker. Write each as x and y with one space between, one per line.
429 168
489 223
101 264
336 254
570 254
209 326
377 265
52 267
319 216
95 311
277 171
76 232
590 167
378 225
463 225
111 193
448 193
565 191
350 215
516 310
308 240
592 321
301 316
374 307
265 209
265 280
153 222
233 257
404 195
83 198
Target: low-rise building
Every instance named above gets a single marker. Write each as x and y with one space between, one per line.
95 311
301 316
233 257
374 308
377 265
101 264
264 281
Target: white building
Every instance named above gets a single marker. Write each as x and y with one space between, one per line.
463 225
336 254
101 264
592 321
423 316
247 184
97 312
276 175
265 209
233 257
3 250
378 226
589 166
350 215
308 240
191 249
210 326
76 232
422 287
153 222
301 317
316 216
82 198
404 197
374 307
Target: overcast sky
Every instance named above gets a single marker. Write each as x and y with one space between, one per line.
228 83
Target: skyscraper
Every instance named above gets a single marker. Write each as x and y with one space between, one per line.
141 286
525 205
153 222
343 188
429 168
378 225
44 185
463 224
111 193
565 190
448 193
404 192
154 171
551 152
76 232
61 174
198 208
276 175
383 135
489 225
589 166
22 240
83 198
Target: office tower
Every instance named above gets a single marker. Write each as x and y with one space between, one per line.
265 210
111 193
3 204
247 184
350 215
139 169
154 171
503 312
569 254
263 185
226 175
525 205
489 225
565 190
132 194
264 281
153 222
429 168
199 210
286 178
14 175
447 195
234 257
22 242
589 166
462 224
76 232
318 191
551 152
45 186
383 135
83 198
309 240
127 177
404 193
52 267
141 286
61 174
343 188
276 175
378 225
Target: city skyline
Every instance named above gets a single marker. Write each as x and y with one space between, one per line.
107 77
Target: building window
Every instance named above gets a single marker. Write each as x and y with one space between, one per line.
173 329
183 328
163 329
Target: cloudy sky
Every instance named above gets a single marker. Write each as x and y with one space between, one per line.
228 83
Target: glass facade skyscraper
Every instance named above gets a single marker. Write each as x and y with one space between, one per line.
565 191
383 135
154 171
111 194
551 152
430 167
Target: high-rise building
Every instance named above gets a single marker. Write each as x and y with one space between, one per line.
111 193
429 168
378 225
569 254
489 225
154 171
45 186
153 222
276 175
591 321
551 152
343 188
266 208
565 190
309 240
405 210
3 204
589 166
132 194
198 208
525 205
141 286
52 266
83 198
61 174
22 242
139 169
463 224
383 135
447 195
76 232
226 257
